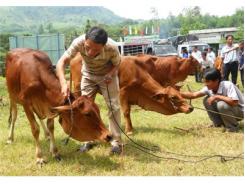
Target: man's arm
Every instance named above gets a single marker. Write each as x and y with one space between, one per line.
226 99
60 71
192 95
108 76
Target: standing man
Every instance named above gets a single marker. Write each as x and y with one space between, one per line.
241 61
229 56
198 55
222 97
99 73
211 56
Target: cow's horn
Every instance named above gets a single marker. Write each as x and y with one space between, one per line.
62 108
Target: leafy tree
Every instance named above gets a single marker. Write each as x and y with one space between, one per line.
50 28
87 26
40 29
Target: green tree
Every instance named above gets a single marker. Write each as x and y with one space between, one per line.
87 26
50 28
40 29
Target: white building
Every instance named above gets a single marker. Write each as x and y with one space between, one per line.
214 37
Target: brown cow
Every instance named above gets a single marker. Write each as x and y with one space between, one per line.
169 70
31 82
137 87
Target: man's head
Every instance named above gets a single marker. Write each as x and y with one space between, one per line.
212 79
195 48
229 39
210 49
95 39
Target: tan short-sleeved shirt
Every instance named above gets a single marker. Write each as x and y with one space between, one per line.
101 64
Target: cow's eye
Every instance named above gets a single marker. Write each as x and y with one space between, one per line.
175 98
88 114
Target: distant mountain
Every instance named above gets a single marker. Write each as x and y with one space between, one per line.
29 18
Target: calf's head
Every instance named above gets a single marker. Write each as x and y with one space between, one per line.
172 100
83 119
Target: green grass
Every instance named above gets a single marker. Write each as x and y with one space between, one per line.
151 129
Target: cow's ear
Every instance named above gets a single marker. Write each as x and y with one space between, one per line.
159 96
61 108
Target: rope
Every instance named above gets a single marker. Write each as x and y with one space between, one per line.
218 113
149 152
72 124
143 148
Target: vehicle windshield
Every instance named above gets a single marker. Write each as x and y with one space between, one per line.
200 47
164 49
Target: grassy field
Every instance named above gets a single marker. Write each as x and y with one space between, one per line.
151 129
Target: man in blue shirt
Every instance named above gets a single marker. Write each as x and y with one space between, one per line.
241 61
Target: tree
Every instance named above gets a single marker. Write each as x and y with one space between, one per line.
191 20
87 26
40 29
50 28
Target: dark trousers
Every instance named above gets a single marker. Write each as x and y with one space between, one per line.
242 76
230 68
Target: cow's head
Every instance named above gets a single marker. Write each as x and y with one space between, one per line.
86 124
172 101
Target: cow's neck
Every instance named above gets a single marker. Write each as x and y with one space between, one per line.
53 89
150 86
185 67
146 103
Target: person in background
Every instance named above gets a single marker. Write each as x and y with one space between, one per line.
185 53
205 65
211 56
241 61
229 55
198 55
222 97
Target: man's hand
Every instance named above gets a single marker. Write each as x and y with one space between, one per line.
108 78
65 90
211 100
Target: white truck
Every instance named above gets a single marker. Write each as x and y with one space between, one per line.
189 46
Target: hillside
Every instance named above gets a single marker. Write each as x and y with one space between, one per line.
29 19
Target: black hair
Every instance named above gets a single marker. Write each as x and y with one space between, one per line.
227 36
212 74
204 53
97 35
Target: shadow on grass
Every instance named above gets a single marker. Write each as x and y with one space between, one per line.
172 131
94 159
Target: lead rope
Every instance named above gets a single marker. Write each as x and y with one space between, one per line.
143 148
72 123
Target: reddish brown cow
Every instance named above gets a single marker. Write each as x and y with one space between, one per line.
137 87
169 70
32 83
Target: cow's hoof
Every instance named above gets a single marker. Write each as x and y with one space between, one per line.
40 162
57 157
130 133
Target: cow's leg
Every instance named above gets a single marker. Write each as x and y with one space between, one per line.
45 130
126 113
53 148
35 132
11 121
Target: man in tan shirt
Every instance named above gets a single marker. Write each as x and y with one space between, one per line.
100 66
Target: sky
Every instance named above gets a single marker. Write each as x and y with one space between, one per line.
140 9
